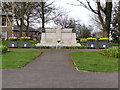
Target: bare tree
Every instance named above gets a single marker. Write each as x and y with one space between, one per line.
47 12
28 15
23 19
95 21
22 10
83 31
65 21
105 9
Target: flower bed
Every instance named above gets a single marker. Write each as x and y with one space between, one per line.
25 38
13 38
91 43
83 40
113 52
90 39
25 43
103 39
13 42
103 43
77 41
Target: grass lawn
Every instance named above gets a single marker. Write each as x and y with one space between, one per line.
95 62
17 58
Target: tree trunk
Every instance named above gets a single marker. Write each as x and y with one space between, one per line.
104 33
106 25
43 17
20 31
119 33
21 27
107 12
27 31
108 17
119 23
27 27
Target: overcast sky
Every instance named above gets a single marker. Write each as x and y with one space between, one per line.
77 12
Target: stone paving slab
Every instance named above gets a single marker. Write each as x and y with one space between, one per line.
53 69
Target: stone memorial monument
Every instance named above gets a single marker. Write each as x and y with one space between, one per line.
58 37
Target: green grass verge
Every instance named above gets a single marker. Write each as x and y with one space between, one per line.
17 58
95 62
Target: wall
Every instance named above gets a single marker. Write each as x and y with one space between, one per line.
50 36
8 28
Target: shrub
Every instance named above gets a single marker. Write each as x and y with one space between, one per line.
113 52
113 44
3 48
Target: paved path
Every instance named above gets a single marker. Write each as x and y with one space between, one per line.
53 69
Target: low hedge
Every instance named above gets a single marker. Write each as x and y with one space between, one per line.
112 51
73 47
43 47
61 47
